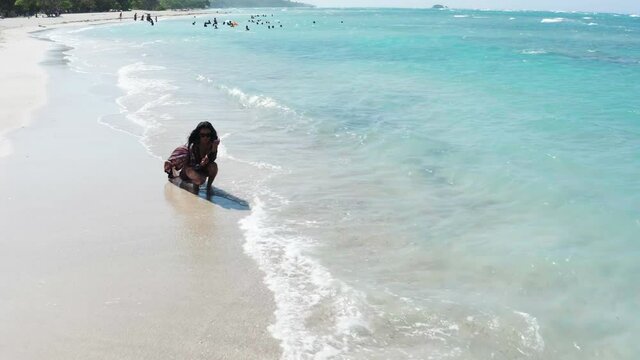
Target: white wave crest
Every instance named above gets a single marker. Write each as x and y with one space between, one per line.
133 84
531 337
257 164
145 43
83 29
143 95
552 20
533 52
203 78
246 100
256 101
302 288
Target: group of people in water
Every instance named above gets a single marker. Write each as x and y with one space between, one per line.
255 19
214 24
143 17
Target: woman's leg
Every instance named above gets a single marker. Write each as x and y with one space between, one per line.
212 171
192 176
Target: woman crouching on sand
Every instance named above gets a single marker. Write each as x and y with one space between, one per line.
196 160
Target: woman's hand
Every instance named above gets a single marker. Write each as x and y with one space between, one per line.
214 148
205 161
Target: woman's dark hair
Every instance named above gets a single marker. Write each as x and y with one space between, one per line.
195 134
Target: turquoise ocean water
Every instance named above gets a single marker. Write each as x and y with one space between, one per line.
424 184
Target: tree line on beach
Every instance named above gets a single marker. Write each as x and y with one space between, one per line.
57 7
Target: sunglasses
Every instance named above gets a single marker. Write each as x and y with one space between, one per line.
209 135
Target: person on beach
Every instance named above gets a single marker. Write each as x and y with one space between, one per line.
135 17
195 161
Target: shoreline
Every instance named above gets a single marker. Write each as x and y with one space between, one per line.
91 18
100 259
22 52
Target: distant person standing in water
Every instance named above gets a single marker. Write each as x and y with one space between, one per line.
135 17
196 160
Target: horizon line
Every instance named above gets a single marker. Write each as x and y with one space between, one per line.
474 9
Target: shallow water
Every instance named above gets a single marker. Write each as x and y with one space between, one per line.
426 184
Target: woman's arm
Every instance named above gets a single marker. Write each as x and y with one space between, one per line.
214 150
211 155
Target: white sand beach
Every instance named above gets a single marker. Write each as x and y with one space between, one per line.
101 257
23 81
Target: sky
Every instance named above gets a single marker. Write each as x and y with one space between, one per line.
618 6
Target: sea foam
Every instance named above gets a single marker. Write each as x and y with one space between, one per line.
301 286
143 95
533 52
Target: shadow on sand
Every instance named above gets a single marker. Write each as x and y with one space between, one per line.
216 196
